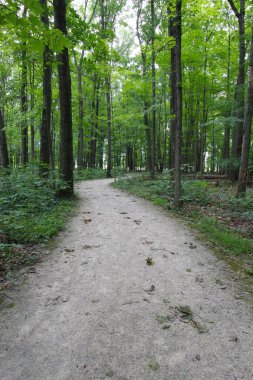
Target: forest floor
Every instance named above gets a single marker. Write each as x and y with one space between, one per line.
126 293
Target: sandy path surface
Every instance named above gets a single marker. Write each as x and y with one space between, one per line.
94 309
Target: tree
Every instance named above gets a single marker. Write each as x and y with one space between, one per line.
144 74
23 100
176 93
45 133
243 172
3 144
66 139
239 90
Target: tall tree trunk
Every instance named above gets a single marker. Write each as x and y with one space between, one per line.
239 91
226 140
80 148
94 145
23 100
94 123
145 115
153 146
165 132
204 117
172 33
66 139
45 133
160 162
176 90
3 144
32 70
109 126
146 103
242 180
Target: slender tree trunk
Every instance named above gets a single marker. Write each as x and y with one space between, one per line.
45 133
66 139
172 33
80 148
32 70
176 94
109 126
146 103
226 140
239 91
160 162
3 144
23 98
52 138
145 116
242 180
94 123
80 152
165 132
94 146
153 146
204 119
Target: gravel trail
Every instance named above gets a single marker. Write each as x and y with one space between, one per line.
95 309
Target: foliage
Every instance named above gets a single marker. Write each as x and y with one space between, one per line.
195 192
87 174
29 208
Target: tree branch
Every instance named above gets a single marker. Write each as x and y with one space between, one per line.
235 10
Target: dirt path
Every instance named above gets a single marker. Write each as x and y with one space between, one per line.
94 309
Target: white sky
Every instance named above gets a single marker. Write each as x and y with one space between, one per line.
128 16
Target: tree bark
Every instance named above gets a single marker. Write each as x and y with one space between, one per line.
146 103
243 172
32 69
239 90
23 102
176 90
204 117
109 126
153 146
66 138
226 140
80 147
45 133
172 33
3 144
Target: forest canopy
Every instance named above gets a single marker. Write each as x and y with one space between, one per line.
127 85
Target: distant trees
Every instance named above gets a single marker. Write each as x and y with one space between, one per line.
172 99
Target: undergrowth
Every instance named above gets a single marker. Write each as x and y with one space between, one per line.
30 212
223 220
96 173
86 174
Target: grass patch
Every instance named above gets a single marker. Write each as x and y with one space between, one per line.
221 236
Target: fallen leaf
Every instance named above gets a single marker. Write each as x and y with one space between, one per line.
149 261
154 365
151 289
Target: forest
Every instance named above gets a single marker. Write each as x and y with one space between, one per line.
100 88
126 189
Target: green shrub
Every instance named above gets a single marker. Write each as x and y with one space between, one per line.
29 208
195 191
89 173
